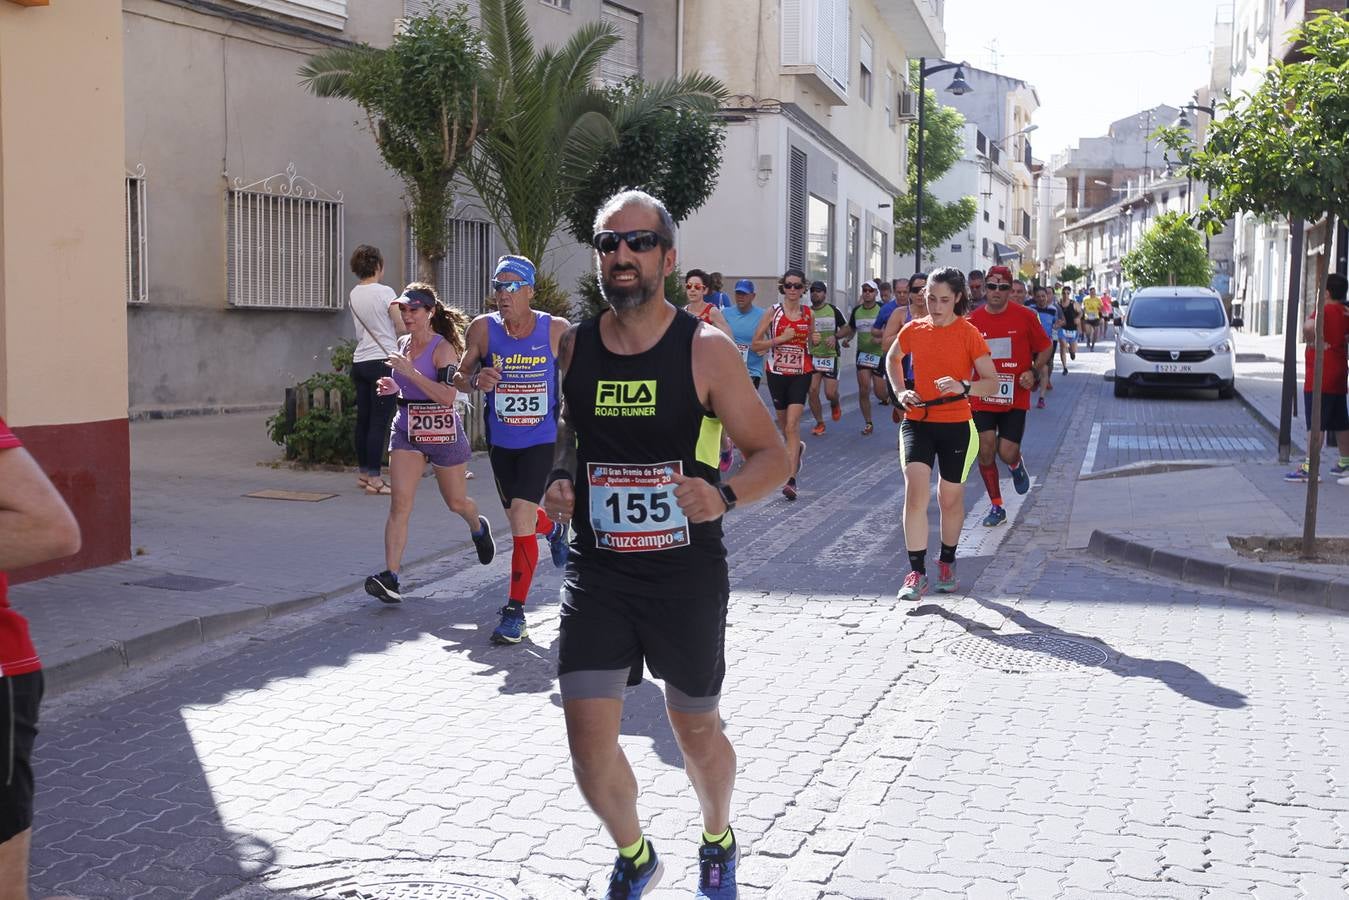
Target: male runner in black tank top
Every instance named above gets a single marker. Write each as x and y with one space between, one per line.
646 581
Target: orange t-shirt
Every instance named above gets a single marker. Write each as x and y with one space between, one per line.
948 351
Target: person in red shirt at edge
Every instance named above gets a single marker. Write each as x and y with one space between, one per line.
35 526
1334 379
1018 344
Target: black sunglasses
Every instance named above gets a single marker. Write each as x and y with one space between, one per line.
793 285
995 286
641 241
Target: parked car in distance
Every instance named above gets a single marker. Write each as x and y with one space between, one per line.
1175 337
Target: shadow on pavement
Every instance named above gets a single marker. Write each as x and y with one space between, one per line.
1176 675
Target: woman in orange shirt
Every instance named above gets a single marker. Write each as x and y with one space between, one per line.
938 427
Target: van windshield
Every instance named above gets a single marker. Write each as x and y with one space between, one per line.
1176 312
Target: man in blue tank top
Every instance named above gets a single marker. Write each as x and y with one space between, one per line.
743 317
512 357
646 392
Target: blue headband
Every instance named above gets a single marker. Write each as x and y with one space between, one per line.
518 265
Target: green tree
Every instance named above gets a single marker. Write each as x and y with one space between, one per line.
943 145
1283 151
551 123
1072 273
1170 252
424 104
672 153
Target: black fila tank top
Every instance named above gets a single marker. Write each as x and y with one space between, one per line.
637 419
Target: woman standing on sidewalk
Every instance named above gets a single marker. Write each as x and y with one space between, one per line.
426 429
377 329
938 428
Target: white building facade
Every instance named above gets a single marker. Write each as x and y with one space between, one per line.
816 138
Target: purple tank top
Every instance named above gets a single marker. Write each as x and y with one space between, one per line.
424 363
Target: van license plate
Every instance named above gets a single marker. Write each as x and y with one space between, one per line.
1166 368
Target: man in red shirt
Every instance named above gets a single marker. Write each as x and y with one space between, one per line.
35 526
1018 344
1334 378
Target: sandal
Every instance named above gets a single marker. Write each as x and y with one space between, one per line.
867 429
362 480
381 488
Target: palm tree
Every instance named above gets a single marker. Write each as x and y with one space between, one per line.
423 102
552 122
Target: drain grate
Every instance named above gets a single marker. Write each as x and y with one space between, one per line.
420 889
1028 653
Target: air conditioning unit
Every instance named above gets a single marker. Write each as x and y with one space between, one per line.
908 106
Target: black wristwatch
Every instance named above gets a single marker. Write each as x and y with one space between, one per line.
727 495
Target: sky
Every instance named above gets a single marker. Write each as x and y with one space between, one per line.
1090 61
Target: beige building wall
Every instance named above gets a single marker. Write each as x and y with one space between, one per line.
63 352
60 149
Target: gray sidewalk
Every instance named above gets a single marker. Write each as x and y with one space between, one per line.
188 582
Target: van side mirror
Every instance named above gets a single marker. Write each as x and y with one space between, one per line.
1237 323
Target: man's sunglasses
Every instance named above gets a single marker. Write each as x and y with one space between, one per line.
510 287
995 286
607 242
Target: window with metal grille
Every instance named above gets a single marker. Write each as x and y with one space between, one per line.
624 59
876 255
463 273
865 66
415 8
137 291
854 255
819 240
796 210
284 244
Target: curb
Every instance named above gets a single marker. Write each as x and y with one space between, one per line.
117 656
1312 590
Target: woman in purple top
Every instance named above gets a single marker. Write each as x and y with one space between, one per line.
427 428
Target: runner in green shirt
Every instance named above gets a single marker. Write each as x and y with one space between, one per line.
870 356
829 326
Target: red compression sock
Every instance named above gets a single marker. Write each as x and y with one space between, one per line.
543 525
990 475
524 557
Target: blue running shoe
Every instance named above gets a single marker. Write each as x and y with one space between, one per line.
512 628
996 516
716 871
629 882
1301 475
1339 469
1021 478
557 544
483 543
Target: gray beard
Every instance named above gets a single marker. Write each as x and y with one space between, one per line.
628 298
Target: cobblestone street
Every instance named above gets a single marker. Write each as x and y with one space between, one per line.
1061 727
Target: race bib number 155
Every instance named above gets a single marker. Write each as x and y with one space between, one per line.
633 507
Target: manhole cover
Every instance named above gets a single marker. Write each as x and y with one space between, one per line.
416 890
189 583
1024 653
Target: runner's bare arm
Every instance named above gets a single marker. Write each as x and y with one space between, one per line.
892 327
559 498
719 320
556 330
987 382
761 342
724 387
35 523
475 349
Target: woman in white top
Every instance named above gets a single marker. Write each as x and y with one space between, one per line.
373 311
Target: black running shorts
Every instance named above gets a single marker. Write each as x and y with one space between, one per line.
20 696
1010 424
1334 411
606 637
788 390
949 447
520 474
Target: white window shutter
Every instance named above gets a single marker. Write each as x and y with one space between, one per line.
792 32
842 37
622 60
865 52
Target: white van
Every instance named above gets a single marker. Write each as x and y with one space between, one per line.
1175 337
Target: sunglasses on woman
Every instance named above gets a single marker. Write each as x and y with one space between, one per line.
640 241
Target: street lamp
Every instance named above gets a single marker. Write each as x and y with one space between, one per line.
958 86
1183 121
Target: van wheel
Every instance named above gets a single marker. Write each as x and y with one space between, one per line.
1121 388
1227 391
